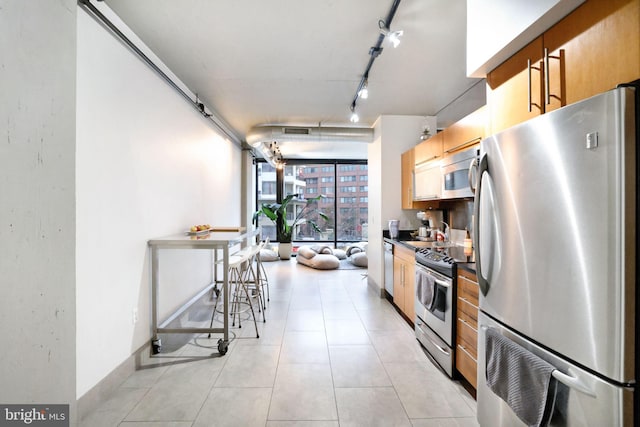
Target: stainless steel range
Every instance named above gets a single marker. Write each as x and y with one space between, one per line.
435 302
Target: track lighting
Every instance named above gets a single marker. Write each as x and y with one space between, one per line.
374 52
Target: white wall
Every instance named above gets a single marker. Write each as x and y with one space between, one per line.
496 29
148 165
37 202
393 135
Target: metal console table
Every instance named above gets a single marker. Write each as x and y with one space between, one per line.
219 242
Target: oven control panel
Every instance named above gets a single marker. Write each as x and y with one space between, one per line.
439 261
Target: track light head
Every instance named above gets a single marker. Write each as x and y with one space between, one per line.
393 36
354 116
364 92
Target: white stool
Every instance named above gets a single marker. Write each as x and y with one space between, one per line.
239 265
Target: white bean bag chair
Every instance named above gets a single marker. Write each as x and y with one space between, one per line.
340 254
321 261
359 259
357 254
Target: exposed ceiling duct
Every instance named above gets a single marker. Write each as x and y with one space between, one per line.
304 142
259 134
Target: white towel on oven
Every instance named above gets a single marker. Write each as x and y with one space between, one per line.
425 289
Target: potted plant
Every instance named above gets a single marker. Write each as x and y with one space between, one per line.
277 212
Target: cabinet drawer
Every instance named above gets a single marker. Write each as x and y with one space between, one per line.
468 289
467 337
467 365
468 312
467 306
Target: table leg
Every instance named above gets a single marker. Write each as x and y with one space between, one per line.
156 344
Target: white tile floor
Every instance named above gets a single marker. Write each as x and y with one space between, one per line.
332 353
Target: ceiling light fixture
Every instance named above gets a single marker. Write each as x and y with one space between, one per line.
394 37
354 116
364 92
271 153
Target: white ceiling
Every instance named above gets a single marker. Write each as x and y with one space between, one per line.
299 62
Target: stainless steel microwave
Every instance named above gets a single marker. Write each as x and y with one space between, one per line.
459 174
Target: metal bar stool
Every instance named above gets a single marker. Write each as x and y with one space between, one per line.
239 264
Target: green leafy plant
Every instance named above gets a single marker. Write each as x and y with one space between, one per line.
277 212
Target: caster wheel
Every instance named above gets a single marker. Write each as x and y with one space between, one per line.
217 292
223 347
156 346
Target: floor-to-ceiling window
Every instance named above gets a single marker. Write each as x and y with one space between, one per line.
344 187
266 193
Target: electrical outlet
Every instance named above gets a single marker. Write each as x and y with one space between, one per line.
134 317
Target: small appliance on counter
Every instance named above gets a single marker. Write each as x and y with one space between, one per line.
394 228
429 220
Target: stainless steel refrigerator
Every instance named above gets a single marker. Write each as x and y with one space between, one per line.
556 255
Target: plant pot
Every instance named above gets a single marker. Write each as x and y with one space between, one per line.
284 250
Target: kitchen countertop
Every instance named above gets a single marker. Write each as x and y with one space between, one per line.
468 266
414 245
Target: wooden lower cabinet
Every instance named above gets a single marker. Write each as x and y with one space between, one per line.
404 270
467 326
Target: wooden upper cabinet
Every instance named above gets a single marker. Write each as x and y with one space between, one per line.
407 191
509 99
592 50
430 149
466 132
407 165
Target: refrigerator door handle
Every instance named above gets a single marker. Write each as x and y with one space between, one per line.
473 170
573 382
482 168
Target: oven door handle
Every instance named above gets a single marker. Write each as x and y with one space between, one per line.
445 283
442 350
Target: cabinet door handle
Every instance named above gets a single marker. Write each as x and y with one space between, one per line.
547 96
468 302
529 67
424 162
529 85
461 347
468 280
464 144
468 325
